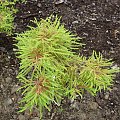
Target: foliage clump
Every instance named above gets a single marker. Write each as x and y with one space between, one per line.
50 70
6 19
7 12
10 2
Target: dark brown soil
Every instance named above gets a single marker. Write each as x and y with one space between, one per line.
98 23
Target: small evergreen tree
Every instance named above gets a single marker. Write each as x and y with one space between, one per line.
50 70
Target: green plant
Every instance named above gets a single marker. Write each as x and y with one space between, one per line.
7 11
97 74
6 19
10 2
91 74
50 70
45 51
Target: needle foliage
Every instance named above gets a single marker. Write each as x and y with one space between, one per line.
50 70
10 2
7 12
6 19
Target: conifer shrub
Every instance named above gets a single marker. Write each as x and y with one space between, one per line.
50 70
7 12
6 19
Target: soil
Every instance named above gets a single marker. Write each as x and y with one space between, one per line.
97 22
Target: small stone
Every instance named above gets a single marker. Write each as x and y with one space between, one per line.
86 34
93 105
16 72
8 101
92 19
111 103
112 51
115 88
59 1
21 117
117 82
75 22
39 5
9 57
107 96
1 86
40 11
49 113
112 111
8 79
109 43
